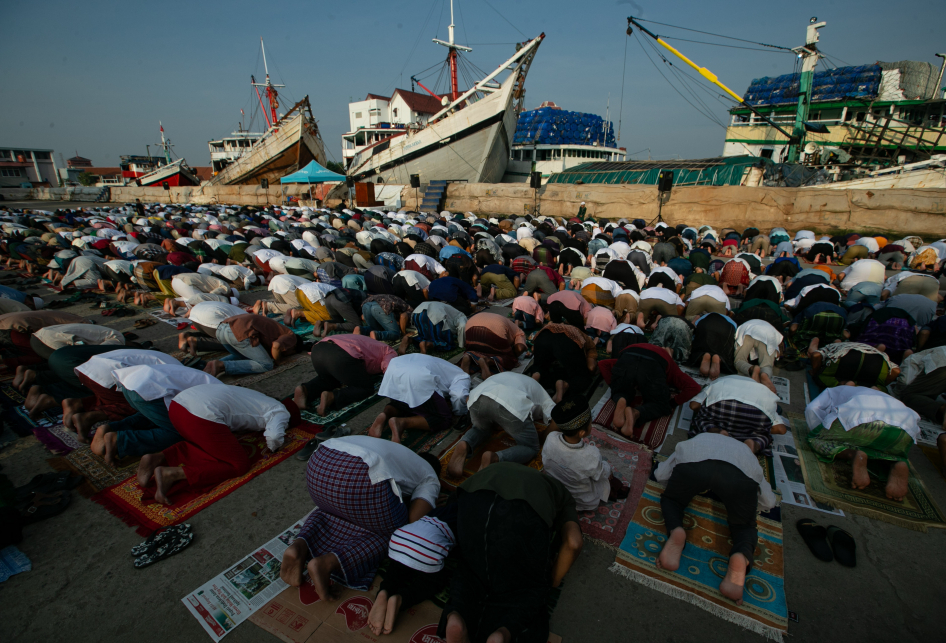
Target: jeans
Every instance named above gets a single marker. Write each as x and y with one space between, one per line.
528 321
385 326
243 358
484 412
147 431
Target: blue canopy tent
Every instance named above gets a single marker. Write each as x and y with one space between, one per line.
312 173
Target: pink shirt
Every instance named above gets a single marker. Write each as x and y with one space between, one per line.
376 355
529 306
600 318
572 301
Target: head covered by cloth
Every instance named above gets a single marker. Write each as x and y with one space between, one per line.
572 413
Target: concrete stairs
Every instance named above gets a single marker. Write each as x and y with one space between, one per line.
434 196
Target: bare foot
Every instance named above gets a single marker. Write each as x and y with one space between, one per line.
393 607
378 612
181 341
714 370
98 440
402 347
753 445
898 482
319 573
216 368
84 423
147 466
618 419
767 381
111 445
164 478
357 331
705 365
488 458
397 427
26 381
325 402
561 387
630 419
377 426
292 563
735 579
458 459
298 396
860 479
669 556
70 406
456 629
42 403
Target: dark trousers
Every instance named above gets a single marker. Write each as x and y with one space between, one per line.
528 321
559 313
413 295
735 489
413 586
920 394
339 372
60 380
559 358
343 313
637 373
502 579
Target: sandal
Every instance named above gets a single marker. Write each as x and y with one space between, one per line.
175 539
815 536
40 506
47 483
158 537
843 545
144 322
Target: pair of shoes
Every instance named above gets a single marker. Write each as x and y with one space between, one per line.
40 505
144 322
161 545
47 483
328 432
842 546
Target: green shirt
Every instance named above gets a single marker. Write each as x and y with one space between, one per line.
582 211
511 481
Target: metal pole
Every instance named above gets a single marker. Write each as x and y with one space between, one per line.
939 81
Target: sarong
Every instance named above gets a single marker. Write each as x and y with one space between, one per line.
877 439
741 421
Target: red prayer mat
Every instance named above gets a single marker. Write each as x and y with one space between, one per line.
650 434
124 498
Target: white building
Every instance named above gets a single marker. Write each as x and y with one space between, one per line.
380 117
19 166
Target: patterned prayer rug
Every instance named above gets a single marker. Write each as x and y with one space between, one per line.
830 482
704 563
98 475
123 498
650 434
340 415
48 428
499 441
631 463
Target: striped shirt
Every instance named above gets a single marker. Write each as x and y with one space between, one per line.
422 545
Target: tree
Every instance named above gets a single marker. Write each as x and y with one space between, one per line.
333 166
87 179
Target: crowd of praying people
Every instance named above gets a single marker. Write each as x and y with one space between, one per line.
378 300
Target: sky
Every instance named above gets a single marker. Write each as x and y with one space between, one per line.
96 77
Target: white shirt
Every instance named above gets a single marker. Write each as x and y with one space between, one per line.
621 248
605 284
579 467
414 378
518 394
711 291
892 283
211 313
285 284
667 271
71 334
921 363
761 330
792 303
157 381
315 291
627 328
741 389
414 278
386 460
868 242
266 254
856 405
427 262
120 265
664 294
863 270
99 367
715 446
241 409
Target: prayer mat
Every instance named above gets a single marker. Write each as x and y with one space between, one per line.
12 562
124 499
424 441
48 428
704 563
98 475
340 415
500 440
830 483
650 434
631 463
244 380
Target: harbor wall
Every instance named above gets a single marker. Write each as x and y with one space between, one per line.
920 211
200 195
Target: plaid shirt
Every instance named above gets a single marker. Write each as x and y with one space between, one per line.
523 265
741 421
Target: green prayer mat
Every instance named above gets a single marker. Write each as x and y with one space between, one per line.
830 483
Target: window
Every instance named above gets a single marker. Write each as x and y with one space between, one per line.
357 114
11 172
4 154
41 156
395 112
766 153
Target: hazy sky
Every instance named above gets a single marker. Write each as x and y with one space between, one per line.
97 76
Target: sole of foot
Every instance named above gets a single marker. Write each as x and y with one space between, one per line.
669 557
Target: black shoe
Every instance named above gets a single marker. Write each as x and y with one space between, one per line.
306 452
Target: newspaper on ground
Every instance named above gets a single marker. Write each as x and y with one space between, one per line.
783 389
234 595
168 318
789 478
929 433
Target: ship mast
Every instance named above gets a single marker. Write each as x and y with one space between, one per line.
452 56
810 57
271 94
165 144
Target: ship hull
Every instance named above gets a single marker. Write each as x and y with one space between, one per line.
177 175
292 146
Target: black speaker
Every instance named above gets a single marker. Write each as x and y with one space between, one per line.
665 180
166 185
535 181
264 184
415 180
350 182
